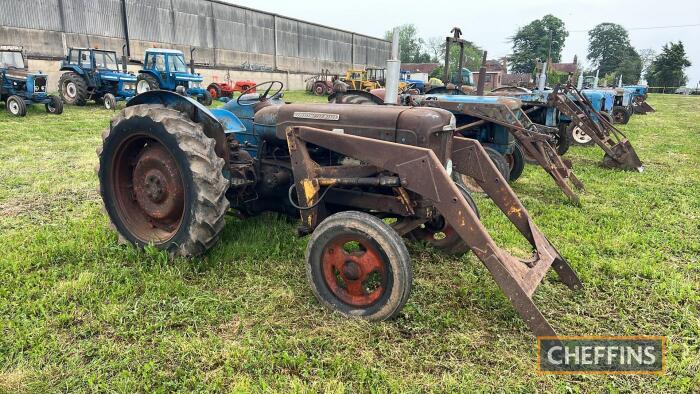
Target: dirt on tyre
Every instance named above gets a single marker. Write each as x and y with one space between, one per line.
161 181
359 266
73 89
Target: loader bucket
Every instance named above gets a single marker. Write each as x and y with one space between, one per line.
619 152
646 107
624 157
421 172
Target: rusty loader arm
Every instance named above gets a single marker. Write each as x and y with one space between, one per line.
418 170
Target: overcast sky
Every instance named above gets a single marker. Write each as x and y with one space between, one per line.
490 23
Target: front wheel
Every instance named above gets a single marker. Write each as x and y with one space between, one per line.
579 137
359 266
516 163
16 106
145 83
621 115
54 106
205 99
109 101
161 181
438 233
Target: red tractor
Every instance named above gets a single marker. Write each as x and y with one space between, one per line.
226 89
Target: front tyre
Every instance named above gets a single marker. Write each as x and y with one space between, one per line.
146 83
359 266
621 115
579 137
16 106
161 182
516 163
109 101
205 99
54 106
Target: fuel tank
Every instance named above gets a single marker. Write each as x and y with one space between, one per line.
426 127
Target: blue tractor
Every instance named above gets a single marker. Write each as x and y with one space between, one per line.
94 74
417 84
165 69
20 87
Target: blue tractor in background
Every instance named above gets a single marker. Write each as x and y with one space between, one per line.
20 87
94 74
165 69
417 84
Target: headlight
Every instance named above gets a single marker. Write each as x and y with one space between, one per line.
195 85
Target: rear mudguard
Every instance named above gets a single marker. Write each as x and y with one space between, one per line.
420 171
194 110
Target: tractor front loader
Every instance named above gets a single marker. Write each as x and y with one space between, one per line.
619 152
360 178
537 141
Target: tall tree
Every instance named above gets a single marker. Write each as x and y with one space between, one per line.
410 44
538 40
436 48
630 67
608 46
668 69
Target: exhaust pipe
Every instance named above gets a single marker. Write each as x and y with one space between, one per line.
124 62
543 78
192 60
393 69
595 81
482 76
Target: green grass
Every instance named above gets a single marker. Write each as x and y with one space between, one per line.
80 313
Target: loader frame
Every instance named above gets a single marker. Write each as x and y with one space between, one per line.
419 171
619 152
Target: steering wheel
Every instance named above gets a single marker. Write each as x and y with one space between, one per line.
262 97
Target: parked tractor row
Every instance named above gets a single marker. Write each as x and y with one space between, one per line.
91 74
365 173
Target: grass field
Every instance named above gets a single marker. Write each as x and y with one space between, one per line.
80 313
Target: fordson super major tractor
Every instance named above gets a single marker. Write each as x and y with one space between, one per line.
20 87
94 74
362 179
165 69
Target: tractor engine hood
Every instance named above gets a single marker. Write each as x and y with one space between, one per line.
425 127
117 76
21 74
510 102
188 77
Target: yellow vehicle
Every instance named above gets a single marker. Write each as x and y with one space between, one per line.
357 80
368 79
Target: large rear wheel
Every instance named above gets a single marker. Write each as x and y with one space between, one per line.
359 266
161 181
73 89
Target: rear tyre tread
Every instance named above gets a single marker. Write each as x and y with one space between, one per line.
209 207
